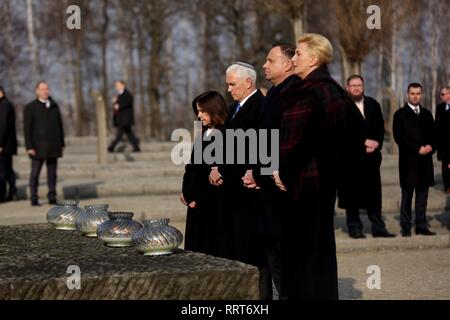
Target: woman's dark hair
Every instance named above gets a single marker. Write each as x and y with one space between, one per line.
214 104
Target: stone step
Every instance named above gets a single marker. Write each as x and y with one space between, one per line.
108 173
112 157
91 189
391 195
110 183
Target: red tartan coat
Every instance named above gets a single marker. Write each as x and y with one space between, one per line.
321 132
315 142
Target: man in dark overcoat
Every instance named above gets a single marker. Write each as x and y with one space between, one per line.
44 140
443 136
270 200
363 186
8 147
235 216
123 117
414 133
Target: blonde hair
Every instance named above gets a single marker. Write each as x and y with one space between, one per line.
318 46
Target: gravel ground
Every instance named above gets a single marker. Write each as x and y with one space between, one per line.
405 274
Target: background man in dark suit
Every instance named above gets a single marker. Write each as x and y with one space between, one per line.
123 117
414 132
8 147
269 199
443 135
364 188
44 140
235 214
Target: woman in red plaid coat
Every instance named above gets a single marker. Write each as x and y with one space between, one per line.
313 141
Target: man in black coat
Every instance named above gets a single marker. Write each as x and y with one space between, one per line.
235 222
363 188
123 117
443 136
44 140
269 199
414 133
8 147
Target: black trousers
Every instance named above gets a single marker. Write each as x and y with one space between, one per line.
36 166
7 177
354 221
446 174
420 207
271 273
131 137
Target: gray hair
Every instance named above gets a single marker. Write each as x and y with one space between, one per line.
243 70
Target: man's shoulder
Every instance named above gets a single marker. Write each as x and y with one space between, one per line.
31 104
401 111
440 106
371 101
256 99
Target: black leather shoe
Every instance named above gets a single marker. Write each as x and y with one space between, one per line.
137 150
110 150
383 234
356 235
52 201
11 197
406 233
425 232
35 203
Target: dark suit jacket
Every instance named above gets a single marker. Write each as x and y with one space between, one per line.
443 132
8 139
411 132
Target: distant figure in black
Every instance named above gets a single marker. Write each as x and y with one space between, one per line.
363 187
44 140
8 147
123 117
414 132
443 136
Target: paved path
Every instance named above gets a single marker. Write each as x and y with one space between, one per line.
405 274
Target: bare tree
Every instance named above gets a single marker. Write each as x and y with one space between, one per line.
34 55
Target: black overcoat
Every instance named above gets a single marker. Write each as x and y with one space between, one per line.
43 129
125 116
411 132
236 204
362 188
443 132
8 139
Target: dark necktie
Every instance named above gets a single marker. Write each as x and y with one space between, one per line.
238 107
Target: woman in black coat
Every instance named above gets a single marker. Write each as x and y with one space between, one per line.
8 147
312 137
197 193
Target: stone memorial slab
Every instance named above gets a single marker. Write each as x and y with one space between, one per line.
39 262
